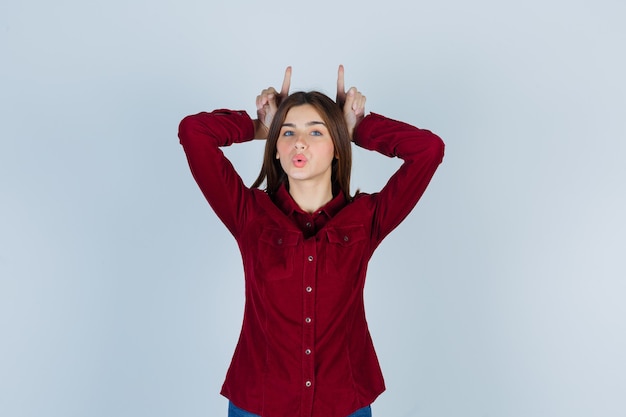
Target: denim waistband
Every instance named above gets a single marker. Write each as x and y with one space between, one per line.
234 411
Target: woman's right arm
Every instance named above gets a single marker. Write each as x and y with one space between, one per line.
201 136
204 133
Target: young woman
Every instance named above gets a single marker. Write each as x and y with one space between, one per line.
305 241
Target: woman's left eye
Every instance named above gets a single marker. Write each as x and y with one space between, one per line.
316 133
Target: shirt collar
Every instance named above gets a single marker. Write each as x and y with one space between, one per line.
287 204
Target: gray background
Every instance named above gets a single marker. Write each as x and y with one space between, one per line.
502 293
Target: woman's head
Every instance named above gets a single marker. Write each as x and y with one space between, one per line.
334 124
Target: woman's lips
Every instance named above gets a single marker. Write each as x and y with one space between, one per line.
299 161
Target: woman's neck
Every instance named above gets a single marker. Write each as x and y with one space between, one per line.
310 197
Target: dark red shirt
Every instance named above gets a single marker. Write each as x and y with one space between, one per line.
305 348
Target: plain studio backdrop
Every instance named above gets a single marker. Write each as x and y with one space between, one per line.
502 294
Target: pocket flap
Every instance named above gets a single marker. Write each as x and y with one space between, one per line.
279 238
346 235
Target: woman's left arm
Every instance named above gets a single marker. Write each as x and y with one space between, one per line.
421 150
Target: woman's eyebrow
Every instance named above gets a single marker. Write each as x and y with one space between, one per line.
315 122
311 123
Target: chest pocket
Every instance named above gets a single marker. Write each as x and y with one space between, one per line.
345 249
276 253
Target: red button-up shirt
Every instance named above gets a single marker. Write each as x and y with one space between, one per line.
305 348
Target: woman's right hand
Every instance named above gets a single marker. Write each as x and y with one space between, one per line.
267 104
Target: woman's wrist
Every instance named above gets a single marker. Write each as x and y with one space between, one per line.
260 130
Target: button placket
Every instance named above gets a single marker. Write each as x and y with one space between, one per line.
308 315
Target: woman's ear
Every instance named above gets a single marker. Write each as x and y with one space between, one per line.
277 155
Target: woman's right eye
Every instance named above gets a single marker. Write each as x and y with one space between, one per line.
288 133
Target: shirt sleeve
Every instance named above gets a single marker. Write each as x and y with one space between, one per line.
201 135
421 150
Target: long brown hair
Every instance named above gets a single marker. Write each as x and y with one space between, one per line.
332 115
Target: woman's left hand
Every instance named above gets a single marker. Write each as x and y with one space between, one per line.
352 102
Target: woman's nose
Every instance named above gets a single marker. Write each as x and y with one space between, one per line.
300 142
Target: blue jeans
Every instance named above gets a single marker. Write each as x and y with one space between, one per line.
234 411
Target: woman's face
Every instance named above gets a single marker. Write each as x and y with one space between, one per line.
305 147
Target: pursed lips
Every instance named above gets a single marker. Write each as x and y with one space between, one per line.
299 160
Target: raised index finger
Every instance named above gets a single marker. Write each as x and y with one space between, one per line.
341 88
284 90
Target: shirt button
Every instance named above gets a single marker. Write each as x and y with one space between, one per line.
279 241
345 238
308 351
308 319
309 289
310 258
308 224
308 383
